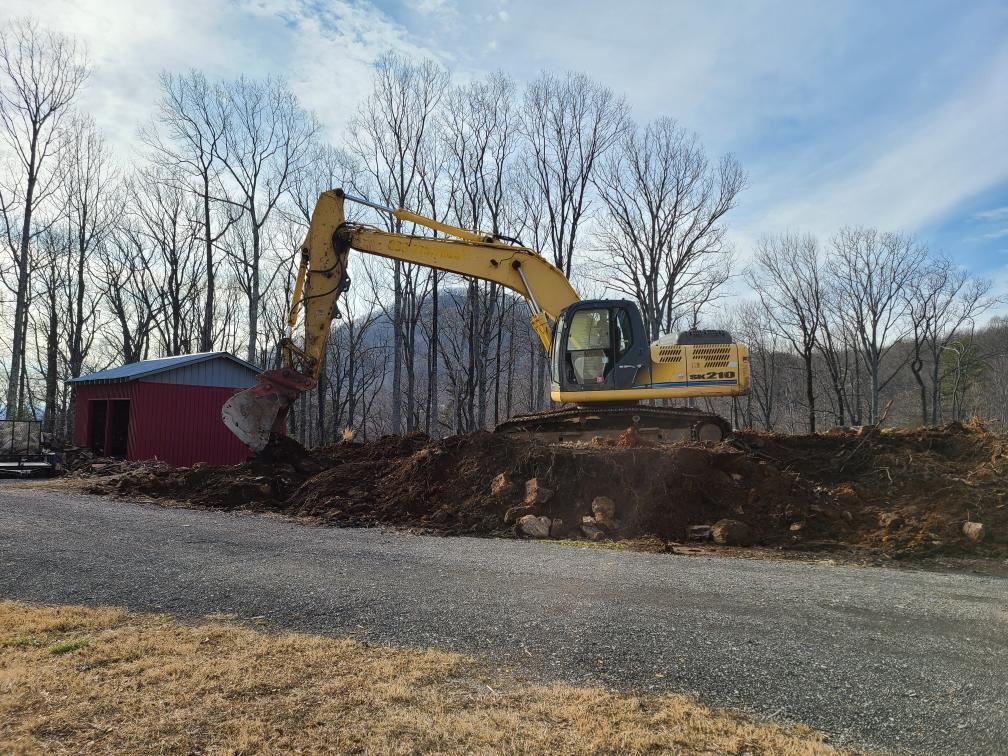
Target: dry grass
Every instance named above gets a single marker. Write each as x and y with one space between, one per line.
133 683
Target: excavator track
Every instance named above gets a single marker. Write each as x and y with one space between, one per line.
668 424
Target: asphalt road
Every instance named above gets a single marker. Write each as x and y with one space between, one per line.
894 659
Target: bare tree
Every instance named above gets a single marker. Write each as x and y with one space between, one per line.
126 277
164 215
40 75
941 300
187 139
662 235
49 323
480 130
787 277
390 133
568 124
871 271
87 196
755 328
266 136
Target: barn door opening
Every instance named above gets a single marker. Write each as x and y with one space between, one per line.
117 440
98 419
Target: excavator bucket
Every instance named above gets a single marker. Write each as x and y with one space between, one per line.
256 414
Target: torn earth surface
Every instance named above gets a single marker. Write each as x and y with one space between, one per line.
907 493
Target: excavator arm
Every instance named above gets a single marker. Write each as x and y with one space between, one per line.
253 415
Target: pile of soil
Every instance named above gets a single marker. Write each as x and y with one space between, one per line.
904 492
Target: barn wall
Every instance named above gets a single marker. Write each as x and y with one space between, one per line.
180 425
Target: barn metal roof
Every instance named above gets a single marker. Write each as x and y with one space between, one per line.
147 368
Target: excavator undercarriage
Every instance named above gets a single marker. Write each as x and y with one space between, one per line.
661 424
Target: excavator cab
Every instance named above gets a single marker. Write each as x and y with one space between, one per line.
598 345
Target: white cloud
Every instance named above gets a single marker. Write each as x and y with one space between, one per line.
325 53
912 174
430 6
994 214
784 87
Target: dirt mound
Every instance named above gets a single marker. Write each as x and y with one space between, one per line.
904 492
907 491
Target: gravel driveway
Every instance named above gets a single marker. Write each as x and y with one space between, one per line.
897 659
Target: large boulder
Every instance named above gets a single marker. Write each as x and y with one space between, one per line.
603 508
974 531
535 526
730 532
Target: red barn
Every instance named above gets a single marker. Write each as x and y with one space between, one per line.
168 409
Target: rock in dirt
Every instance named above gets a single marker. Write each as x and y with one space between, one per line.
501 484
729 532
891 520
603 508
536 493
557 528
699 533
591 530
516 513
535 526
974 531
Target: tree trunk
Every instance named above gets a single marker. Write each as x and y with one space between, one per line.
397 351
206 336
21 302
873 414
540 379
810 391
321 394
936 403
432 363
52 354
497 372
253 303
915 367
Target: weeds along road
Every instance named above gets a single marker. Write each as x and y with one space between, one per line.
902 660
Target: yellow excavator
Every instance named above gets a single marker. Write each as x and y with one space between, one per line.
601 363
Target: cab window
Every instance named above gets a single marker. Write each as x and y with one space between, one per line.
589 346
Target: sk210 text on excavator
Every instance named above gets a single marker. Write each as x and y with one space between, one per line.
602 364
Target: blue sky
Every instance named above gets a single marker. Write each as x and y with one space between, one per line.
883 113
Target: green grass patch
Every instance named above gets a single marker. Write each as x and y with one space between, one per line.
66 646
24 641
